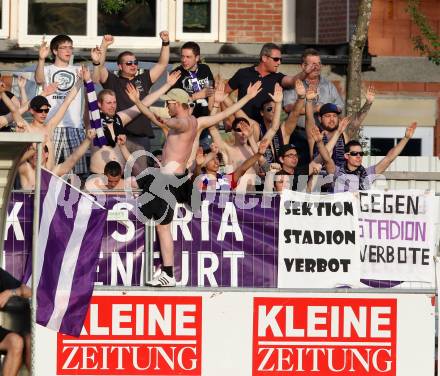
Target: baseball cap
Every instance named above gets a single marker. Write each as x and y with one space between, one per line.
329 108
285 148
177 95
38 102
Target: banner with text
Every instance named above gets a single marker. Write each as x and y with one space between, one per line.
318 241
397 231
245 333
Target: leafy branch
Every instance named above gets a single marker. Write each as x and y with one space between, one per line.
428 43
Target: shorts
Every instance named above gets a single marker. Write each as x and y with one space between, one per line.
161 192
3 333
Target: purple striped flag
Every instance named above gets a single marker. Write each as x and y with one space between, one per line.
69 241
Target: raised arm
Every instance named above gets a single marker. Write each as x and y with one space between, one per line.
277 97
310 119
248 163
65 167
396 150
15 111
207 121
360 116
289 81
160 67
43 52
298 107
21 81
327 160
130 113
98 55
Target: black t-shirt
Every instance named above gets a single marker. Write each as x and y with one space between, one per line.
241 80
7 281
118 128
4 110
204 75
140 126
295 178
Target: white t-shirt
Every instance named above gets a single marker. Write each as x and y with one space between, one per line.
66 78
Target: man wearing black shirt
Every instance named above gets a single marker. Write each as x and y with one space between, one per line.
197 80
266 72
11 342
139 130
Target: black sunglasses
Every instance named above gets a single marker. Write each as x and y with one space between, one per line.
276 59
41 110
356 153
131 62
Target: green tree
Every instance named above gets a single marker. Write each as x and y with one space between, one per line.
428 42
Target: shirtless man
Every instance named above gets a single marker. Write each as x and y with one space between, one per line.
109 124
26 169
157 201
112 177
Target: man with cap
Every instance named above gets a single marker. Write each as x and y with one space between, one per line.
296 178
163 187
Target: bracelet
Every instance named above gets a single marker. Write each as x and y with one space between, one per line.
95 64
301 96
14 292
165 43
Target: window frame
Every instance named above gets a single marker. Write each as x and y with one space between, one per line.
216 19
91 39
4 30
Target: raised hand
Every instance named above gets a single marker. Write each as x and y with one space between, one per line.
121 139
173 77
370 94
311 94
107 40
277 95
246 129
164 35
91 134
300 89
316 134
200 158
254 89
95 54
50 89
21 82
132 92
410 130
343 124
219 94
84 73
43 50
263 146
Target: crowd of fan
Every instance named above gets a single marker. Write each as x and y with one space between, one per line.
310 150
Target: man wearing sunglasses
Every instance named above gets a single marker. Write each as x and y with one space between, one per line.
139 130
352 176
265 71
69 132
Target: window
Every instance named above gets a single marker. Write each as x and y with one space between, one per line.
379 141
137 25
197 20
4 18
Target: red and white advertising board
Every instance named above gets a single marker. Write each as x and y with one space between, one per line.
245 333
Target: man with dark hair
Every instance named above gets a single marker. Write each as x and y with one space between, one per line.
13 343
290 175
352 176
265 71
69 133
139 130
197 80
112 179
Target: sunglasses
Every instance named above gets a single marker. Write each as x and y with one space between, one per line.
356 153
41 110
276 59
269 109
131 62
